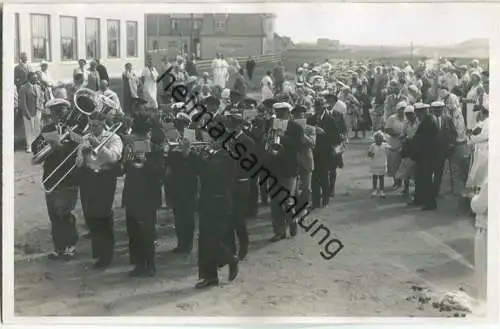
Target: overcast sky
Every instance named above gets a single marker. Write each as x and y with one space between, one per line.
389 24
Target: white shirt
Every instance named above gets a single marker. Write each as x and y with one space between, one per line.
340 107
109 154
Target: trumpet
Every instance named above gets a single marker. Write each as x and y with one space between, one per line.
196 146
52 181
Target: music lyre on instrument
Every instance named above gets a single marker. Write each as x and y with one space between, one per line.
86 102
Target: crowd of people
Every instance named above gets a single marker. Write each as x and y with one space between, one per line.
420 118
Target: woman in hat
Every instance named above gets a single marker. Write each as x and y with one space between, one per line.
394 128
479 138
149 77
81 70
473 98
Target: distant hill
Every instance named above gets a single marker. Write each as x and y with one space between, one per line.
472 48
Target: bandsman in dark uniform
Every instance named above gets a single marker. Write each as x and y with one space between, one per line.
98 185
183 182
323 153
424 152
62 200
144 171
237 147
216 172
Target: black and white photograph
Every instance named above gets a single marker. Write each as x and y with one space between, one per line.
247 160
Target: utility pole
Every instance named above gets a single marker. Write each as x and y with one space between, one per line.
191 27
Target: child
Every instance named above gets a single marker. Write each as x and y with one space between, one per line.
377 151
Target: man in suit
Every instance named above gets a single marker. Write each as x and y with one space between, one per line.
323 153
306 160
31 104
424 151
336 109
21 71
446 139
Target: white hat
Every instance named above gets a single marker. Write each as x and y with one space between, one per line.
57 102
182 115
44 63
283 105
225 93
437 104
421 106
178 105
409 109
401 104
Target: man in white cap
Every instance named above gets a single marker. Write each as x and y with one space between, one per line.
445 141
31 105
62 200
424 152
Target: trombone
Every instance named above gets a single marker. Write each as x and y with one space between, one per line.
93 154
87 102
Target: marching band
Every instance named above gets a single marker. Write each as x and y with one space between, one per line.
298 132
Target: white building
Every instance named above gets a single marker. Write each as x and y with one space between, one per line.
60 34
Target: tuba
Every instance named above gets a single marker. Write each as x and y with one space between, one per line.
88 101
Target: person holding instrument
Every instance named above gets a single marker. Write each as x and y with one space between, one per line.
62 200
98 184
144 166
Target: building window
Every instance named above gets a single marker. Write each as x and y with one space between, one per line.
196 24
69 50
174 24
131 39
92 38
164 25
152 25
113 38
220 25
17 47
40 37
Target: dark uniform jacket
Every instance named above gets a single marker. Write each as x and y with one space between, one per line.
56 158
142 189
424 146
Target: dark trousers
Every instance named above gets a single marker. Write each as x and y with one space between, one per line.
239 213
332 179
141 231
60 204
438 174
214 249
253 198
97 193
184 221
263 187
250 73
425 192
320 186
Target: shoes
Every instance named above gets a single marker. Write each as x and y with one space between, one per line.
375 193
381 194
28 150
156 243
277 238
55 255
293 226
101 264
243 252
207 284
233 269
138 271
69 253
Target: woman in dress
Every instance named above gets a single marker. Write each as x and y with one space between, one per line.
149 78
394 127
478 172
129 86
266 87
93 77
473 99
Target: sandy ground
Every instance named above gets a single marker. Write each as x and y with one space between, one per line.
389 247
